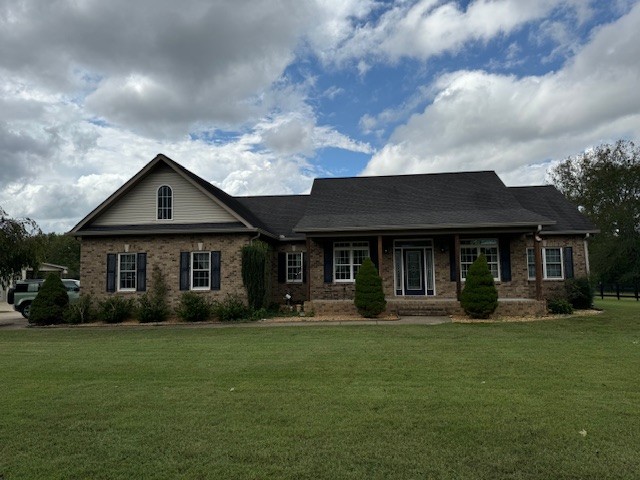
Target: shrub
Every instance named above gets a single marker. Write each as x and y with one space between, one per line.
255 273
152 306
232 308
369 297
579 293
81 311
51 302
193 307
479 298
115 309
559 306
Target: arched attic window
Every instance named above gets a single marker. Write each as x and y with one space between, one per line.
165 203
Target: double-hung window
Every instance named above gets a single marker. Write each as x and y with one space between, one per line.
127 267
471 249
347 258
294 267
200 270
552 263
165 203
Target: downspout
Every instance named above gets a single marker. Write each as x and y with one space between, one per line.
254 238
586 253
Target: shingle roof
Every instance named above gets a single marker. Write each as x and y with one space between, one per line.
428 201
280 213
549 202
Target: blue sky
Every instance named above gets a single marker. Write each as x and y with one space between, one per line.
260 97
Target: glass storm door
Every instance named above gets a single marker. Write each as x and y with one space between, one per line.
414 278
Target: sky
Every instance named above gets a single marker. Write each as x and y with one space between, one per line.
261 97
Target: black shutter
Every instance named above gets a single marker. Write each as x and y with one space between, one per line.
111 272
328 262
215 270
373 251
141 272
505 259
282 267
568 262
185 258
304 267
453 274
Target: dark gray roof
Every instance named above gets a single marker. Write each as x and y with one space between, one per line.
549 202
280 213
429 201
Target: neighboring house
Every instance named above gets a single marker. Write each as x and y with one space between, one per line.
422 232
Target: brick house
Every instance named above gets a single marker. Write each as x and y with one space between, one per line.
422 232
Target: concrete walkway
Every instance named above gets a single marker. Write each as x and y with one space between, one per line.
9 318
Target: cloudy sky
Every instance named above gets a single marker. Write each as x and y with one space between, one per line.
260 97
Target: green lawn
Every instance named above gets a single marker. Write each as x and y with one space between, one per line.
456 401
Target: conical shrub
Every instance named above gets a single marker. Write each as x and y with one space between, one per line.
479 298
51 302
369 299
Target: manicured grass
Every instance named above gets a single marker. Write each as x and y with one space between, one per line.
459 401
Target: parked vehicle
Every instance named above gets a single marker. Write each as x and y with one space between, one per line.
25 291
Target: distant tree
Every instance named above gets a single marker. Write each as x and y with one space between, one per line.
605 184
18 247
479 298
60 250
369 296
50 304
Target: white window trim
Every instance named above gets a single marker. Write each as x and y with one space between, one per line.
158 205
544 263
191 271
292 254
497 246
135 273
348 246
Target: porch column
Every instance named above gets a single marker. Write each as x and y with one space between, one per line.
537 248
380 259
456 243
308 267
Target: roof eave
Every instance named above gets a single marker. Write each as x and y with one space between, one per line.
441 226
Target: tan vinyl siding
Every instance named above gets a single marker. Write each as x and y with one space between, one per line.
190 205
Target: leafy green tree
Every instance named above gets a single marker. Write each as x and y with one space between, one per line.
17 246
255 273
51 302
369 298
60 250
479 297
605 184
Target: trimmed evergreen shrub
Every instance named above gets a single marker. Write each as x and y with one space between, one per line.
579 293
81 311
152 306
115 309
232 308
479 297
193 307
559 306
369 298
51 302
255 273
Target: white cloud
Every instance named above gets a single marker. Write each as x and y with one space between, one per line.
428 28
480 120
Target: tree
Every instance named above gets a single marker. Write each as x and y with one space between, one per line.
605 185
479 298
60 250
255 273
369 297
51 302
17 246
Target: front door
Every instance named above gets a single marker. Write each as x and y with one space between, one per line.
414 279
